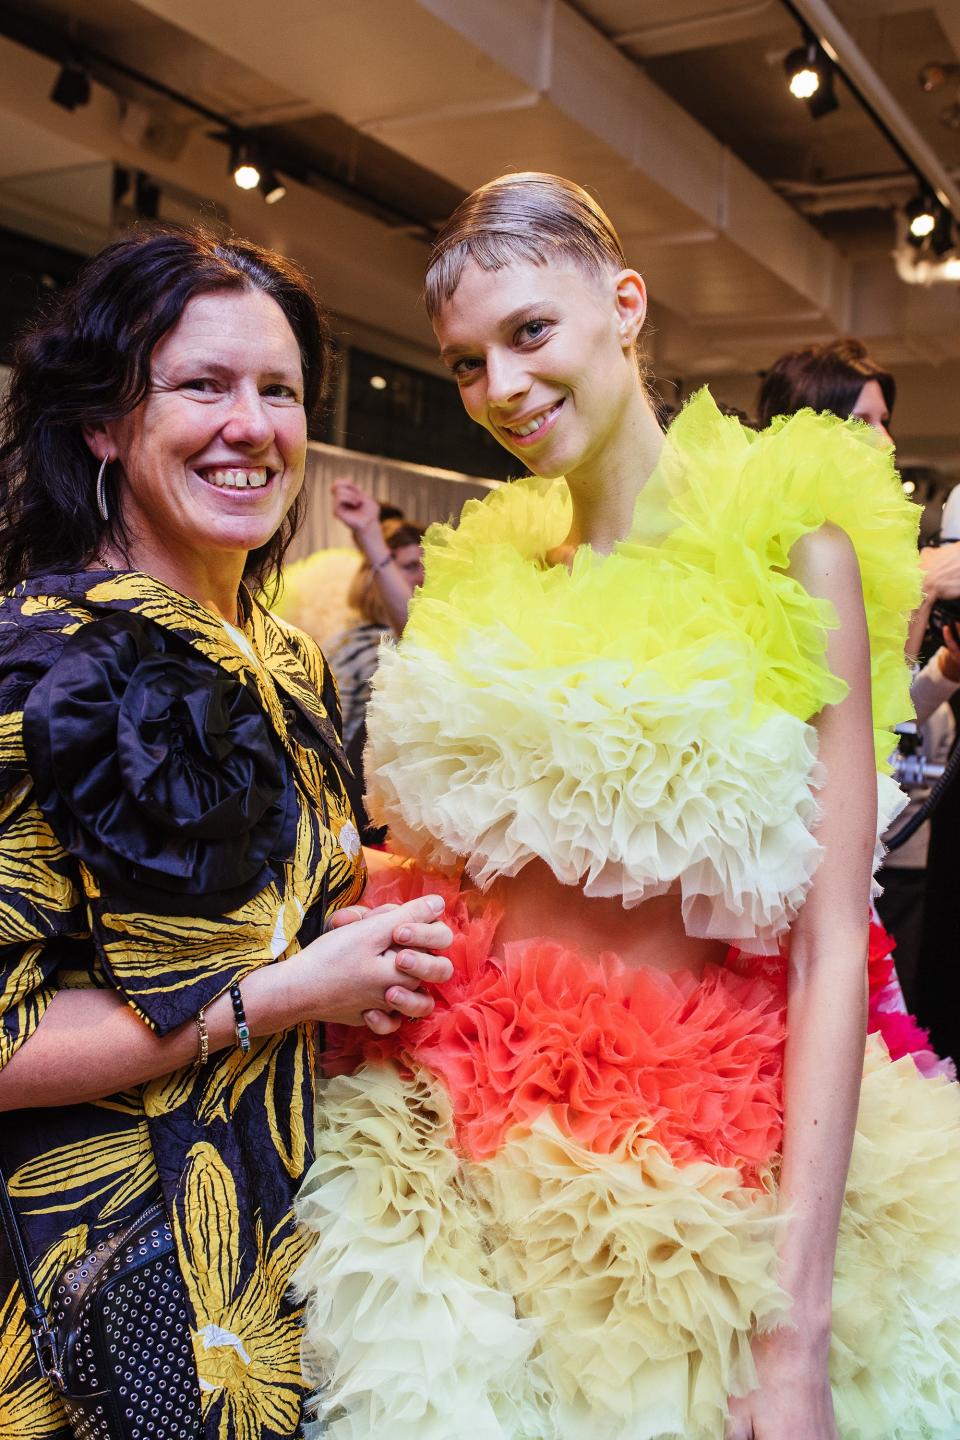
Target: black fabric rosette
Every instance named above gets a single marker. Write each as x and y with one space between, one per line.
159 769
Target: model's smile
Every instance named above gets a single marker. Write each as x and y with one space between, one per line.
534 428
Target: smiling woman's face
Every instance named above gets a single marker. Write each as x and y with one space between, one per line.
213 457
543 358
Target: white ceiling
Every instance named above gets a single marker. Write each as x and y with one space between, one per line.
676 117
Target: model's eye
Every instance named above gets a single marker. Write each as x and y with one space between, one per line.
533 330
466 367
202 384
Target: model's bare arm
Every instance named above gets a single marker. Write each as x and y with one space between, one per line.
826 1019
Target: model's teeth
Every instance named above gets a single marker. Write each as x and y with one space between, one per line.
236 479
532 425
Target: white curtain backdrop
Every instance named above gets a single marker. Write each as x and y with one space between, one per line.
422 494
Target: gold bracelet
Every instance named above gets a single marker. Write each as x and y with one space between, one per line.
203 1037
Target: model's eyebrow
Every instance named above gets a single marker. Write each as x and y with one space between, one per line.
509 322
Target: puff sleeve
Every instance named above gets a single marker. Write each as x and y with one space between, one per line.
41 902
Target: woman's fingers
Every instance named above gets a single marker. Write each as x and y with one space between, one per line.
425 910
414 1004
381 1022
425 968
347 916
435 936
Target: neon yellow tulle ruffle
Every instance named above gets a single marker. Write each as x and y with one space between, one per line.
555 1294
641 722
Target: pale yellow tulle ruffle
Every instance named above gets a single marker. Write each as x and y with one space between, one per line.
554 1294
405 1338
895 1362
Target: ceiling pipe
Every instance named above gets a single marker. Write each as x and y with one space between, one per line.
868 87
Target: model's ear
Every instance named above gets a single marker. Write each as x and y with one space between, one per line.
631 296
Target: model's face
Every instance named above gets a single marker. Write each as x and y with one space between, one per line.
872 409
543 355
213 457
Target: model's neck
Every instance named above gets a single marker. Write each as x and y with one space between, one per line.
605 487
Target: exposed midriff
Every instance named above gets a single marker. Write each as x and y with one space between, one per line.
537 906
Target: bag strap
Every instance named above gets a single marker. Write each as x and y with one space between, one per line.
44 1340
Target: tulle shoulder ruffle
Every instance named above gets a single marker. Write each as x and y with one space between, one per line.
740 500
641 720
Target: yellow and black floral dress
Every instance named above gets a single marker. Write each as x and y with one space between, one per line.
172 814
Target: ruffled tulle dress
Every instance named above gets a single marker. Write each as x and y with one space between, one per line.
549 1211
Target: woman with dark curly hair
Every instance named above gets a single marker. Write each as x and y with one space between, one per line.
175 838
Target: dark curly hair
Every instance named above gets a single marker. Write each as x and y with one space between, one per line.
87 361
821 377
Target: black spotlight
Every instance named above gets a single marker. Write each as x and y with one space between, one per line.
243 165
922 214
272 187
71 88
810 77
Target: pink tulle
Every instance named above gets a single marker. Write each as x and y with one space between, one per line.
888 1016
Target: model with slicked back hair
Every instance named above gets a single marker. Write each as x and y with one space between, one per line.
530 216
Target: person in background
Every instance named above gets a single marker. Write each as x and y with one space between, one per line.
841 378
376 591
395 575
838 377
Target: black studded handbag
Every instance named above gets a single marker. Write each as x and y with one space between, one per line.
116 1344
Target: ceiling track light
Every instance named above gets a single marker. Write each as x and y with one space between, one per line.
921 214
810 77
71 89
250 171
243 166
272 187
935 74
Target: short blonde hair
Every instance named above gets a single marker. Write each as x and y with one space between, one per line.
529 216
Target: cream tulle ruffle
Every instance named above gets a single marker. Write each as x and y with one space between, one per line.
547 1293
641 723
553 1294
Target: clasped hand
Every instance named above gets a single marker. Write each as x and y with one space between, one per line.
375 963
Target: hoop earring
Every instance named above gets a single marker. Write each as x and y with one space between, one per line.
102 489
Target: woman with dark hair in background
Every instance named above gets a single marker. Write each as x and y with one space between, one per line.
174 833
838 377
597 1193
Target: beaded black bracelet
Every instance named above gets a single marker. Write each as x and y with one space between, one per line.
240 1018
